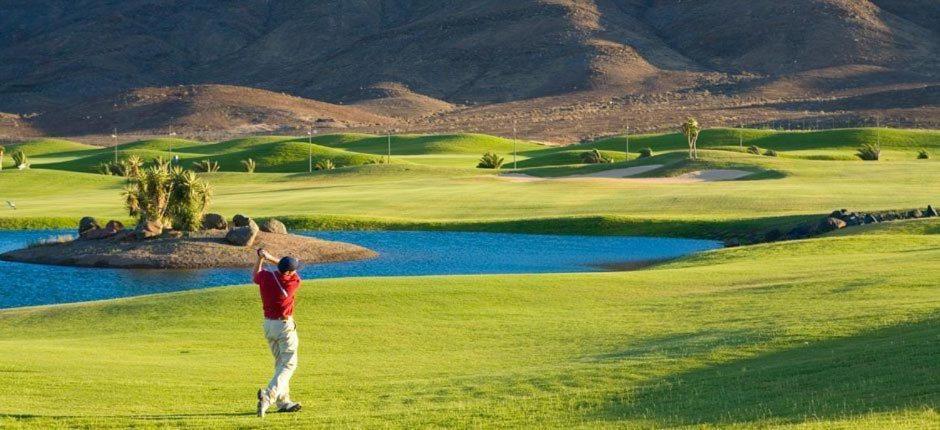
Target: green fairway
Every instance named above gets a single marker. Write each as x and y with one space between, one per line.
840 331
745 337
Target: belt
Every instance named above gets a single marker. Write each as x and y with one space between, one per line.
280 319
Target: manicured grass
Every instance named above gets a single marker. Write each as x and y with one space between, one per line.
837 332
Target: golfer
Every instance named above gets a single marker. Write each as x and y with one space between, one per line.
277 298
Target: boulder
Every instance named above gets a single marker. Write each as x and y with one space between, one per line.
214 222
240 221
931 212
114 226
242 236
99 233
832 224
273 226
148 230
87 224
871 219
916 213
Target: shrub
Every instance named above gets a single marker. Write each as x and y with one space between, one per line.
249 165
770 153
869 152
324 164
646 153
188 200
131 166
490 161
170 196
594 157
206 166
921 155
20 160
753 150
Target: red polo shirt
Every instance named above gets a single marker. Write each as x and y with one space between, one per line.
277 293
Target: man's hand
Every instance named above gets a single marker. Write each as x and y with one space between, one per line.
265 255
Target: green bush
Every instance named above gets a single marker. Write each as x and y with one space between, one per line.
490 161
770 153
324 164
923 155
753 149
646 153
170 196
869 152
20 160
594 157
249 165
206 166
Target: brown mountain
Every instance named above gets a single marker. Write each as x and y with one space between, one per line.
445 64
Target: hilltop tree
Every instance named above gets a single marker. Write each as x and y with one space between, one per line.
691 130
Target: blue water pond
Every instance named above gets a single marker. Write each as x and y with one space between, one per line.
401 253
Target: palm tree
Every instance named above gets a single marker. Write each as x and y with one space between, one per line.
691 130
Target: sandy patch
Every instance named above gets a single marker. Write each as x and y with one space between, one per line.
604 174
625 173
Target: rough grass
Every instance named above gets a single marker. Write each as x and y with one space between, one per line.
764 336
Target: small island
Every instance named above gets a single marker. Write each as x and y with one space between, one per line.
174 231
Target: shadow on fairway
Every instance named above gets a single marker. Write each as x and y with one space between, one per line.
876 371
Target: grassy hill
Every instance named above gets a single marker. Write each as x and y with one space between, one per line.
750 337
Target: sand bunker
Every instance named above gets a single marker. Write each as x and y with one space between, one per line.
625 173
204 249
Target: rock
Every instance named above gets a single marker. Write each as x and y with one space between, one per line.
243 236
273 226
916 213
871 219
732 243
214 222
931 212
172 234
854 219
832 224
114 226
87 224
148 230
99 233
840 214
240 221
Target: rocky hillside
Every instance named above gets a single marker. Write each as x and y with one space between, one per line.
433 60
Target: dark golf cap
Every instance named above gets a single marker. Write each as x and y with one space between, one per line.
288 264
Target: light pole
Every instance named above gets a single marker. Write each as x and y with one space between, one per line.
310 133
626 144
114 139
389 143
740 137
514 140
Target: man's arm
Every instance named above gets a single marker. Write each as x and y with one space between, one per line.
262 257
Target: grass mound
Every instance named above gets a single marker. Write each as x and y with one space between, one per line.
567 157
465 143
39 147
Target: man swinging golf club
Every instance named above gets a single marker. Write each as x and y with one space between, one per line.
277 290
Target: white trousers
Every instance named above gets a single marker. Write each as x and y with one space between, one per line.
282 339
